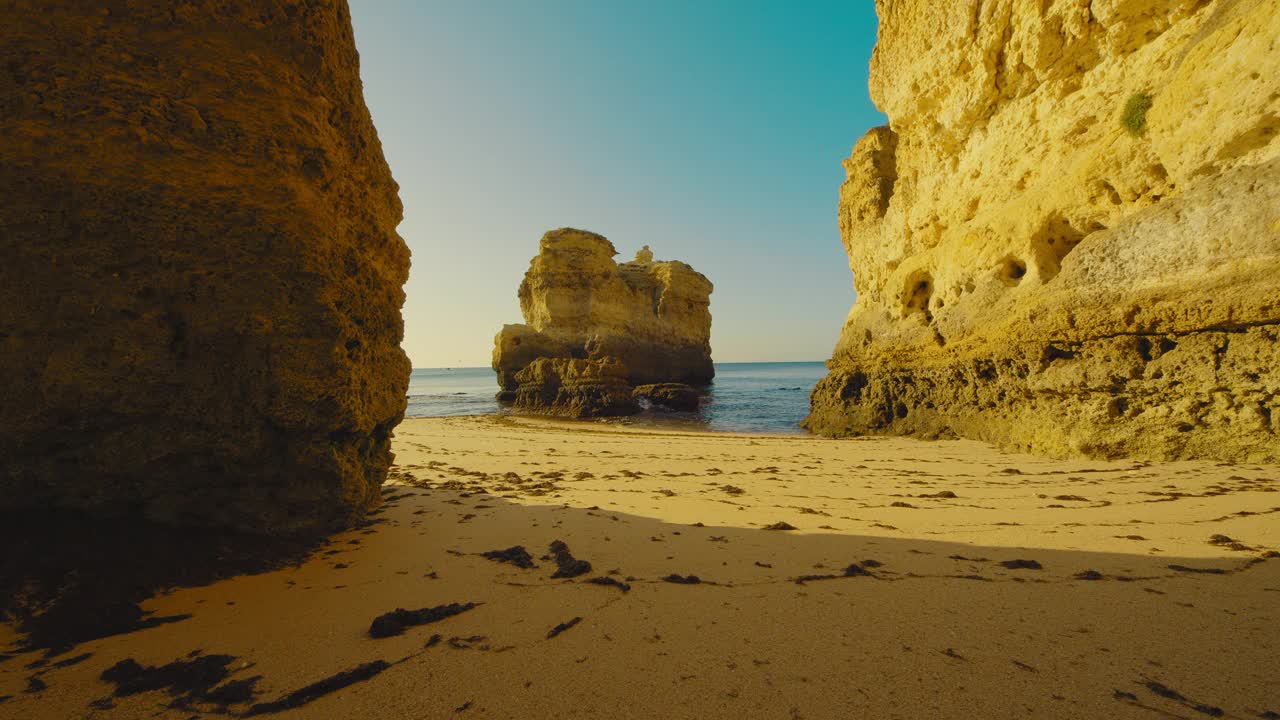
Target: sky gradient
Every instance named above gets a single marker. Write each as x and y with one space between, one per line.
710 131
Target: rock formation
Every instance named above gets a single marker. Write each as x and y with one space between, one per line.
674 396
634 323
201 288
1067 239
575 387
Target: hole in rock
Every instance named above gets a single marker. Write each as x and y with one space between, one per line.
1011 270
1117 407
917 294
985 371
1147 348
1144 349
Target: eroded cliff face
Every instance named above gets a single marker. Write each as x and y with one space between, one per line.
201 288
650 318
1067 239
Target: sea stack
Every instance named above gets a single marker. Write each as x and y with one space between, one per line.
1067 238
201 288
594 329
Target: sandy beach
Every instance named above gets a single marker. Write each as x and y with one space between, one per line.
730 576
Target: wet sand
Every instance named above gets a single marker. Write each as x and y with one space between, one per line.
586 570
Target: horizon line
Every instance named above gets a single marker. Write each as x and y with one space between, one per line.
713 362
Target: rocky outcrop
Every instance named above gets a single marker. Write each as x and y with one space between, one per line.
652 318
200 298
575 387
673 396
1066 239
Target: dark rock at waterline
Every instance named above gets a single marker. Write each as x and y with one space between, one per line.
673 396
575 387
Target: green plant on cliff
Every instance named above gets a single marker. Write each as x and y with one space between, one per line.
1134 117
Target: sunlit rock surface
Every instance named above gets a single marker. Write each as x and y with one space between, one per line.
1041 263
652 318
201 288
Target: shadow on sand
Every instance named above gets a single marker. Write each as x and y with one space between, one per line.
777 624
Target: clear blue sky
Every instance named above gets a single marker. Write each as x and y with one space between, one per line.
711 131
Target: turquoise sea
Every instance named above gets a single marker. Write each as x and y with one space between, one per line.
746 397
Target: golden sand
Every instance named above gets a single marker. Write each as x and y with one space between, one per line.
984 585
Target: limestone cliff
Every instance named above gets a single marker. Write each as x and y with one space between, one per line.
201 288
651 317
1067 239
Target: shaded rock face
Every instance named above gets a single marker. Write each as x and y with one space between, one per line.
1067 239
652 318
576 388
201 288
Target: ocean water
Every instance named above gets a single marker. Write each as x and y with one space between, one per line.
745 397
